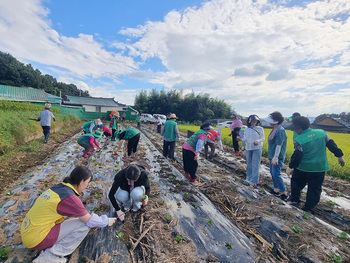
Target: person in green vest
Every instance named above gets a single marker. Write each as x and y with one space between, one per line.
114 123
138 121
309 162
133 137
88 141
91 126
191 149
171 135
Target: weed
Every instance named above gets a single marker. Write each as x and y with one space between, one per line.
331 202
9 192
342 235
336 258
228 246
179 239
186 193
120 235
209 221
306 216
4 252
268 213
296 229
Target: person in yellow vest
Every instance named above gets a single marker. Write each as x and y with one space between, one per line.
309 161
58 221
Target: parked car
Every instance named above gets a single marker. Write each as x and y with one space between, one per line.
224 124
161 116
147 118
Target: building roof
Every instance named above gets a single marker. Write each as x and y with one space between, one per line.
26 94
105 102
332 124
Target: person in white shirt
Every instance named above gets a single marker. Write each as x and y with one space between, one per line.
254 137
159 124
45 121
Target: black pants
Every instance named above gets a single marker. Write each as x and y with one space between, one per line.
169 149
234 138
190 164
46 131
113 134
212 149
313 180
159 127
132 144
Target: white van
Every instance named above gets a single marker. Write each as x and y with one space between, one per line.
161 116
147 118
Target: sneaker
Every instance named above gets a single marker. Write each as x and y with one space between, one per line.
45 141
46 256
284 197
275 193
294 203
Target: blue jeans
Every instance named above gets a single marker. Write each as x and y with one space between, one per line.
134 198
253 165
276 176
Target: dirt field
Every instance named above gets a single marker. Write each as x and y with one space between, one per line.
177 224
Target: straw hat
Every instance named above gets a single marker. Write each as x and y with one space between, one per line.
172 116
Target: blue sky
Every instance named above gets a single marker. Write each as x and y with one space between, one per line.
259 56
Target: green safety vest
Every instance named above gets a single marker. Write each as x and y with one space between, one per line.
169 130
114 124
313 143
83 138
130 133
194 138
86 126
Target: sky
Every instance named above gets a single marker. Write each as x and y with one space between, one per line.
258 56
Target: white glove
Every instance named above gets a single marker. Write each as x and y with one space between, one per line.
144 200
341 161
111 221
289 171
97 221
274 161
120 215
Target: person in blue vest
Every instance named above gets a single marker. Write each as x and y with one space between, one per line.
309 162
45 121
171 134
133 137
191 149
91 126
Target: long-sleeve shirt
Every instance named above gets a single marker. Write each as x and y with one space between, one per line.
254 134
45 117
237 123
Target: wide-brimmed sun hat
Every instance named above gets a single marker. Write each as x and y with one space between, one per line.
172 116
97 134
269 119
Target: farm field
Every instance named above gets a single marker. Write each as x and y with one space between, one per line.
221 220
341 139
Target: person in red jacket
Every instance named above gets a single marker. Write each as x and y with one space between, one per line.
213 135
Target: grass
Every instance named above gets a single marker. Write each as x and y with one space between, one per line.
341 139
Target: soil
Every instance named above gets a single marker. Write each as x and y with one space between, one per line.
151 236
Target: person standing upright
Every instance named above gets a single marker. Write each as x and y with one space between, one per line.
170 132
159 124
45 121
114 123
309 161
235 127
277 146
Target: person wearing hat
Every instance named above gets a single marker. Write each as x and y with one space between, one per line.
114 123
91 126
235 127
254 138
309 162
133 137
213 135
88 140
45 121
58 222
158 123
277 146
171 134
131 188
191 149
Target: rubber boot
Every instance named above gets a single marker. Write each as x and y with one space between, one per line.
86 153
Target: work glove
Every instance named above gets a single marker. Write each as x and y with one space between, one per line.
120 215
144 199
111 221
341 161
274 161
289 171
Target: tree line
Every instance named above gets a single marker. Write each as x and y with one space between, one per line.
189 108
15 73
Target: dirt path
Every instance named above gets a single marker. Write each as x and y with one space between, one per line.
164 231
